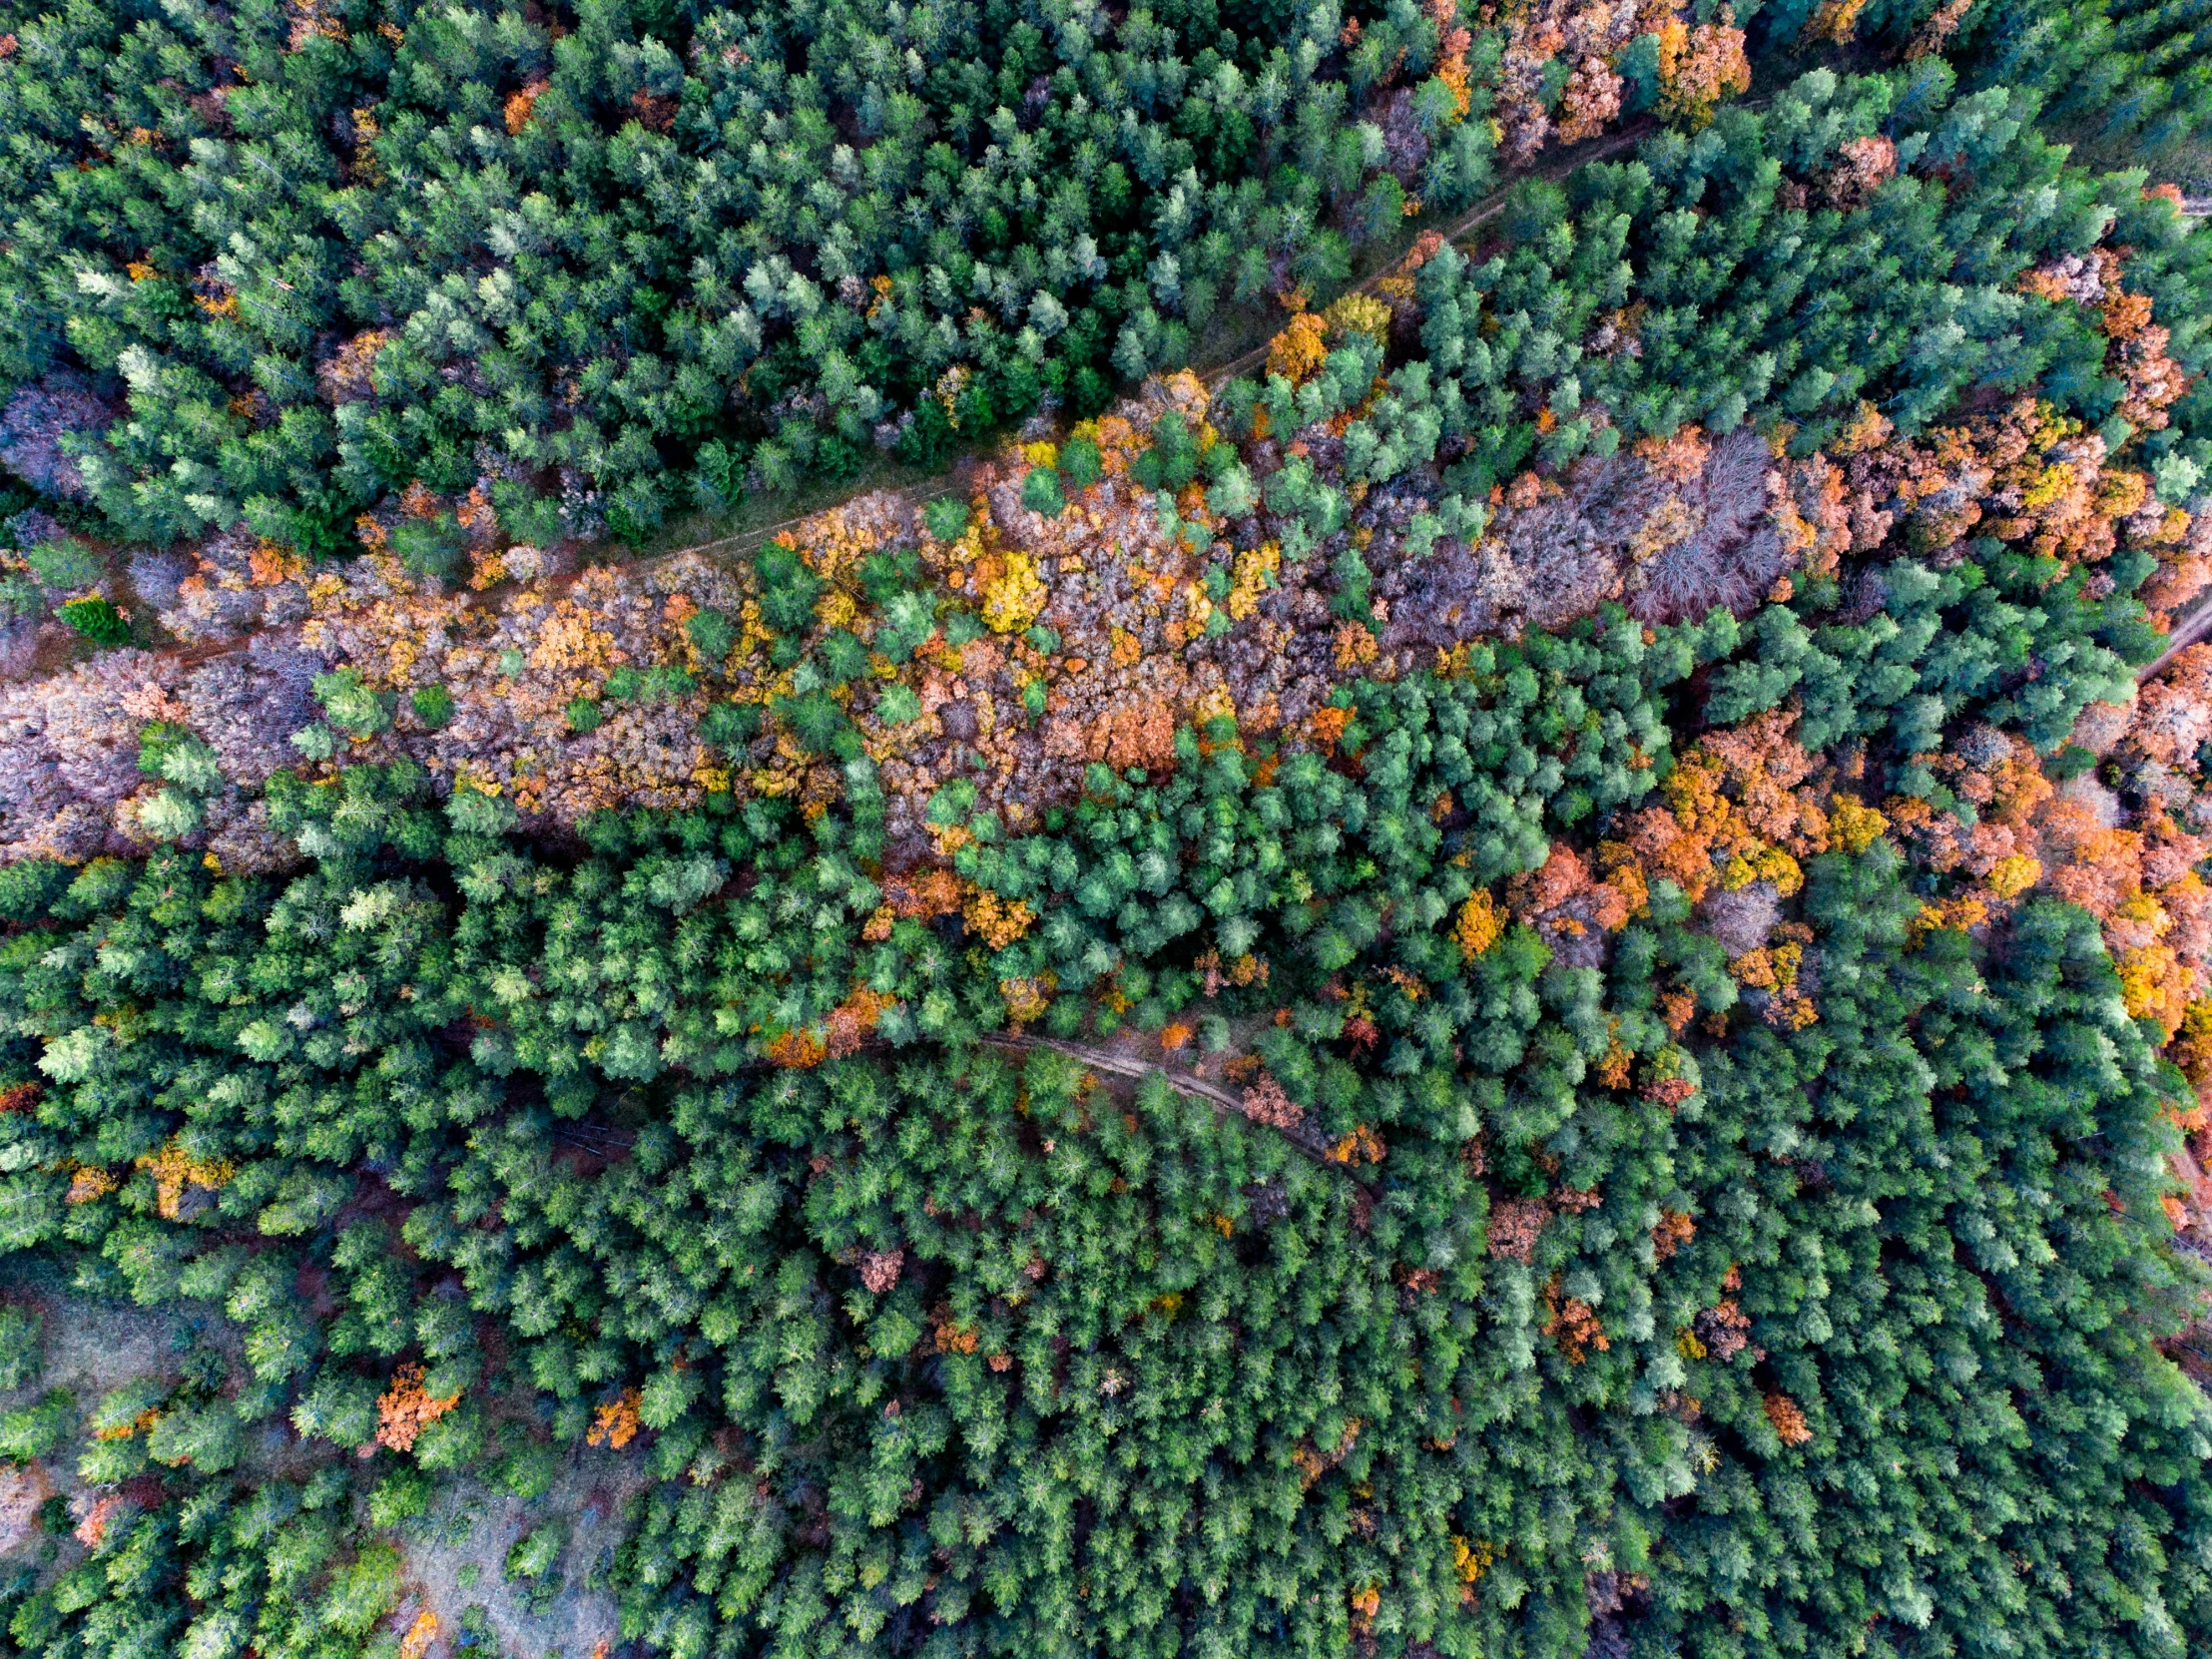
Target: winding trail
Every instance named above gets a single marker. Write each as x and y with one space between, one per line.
2186 633
608 1141
1301 1139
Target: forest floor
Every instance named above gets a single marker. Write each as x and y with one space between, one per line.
2190 629
456 1562
95 1344
455 1556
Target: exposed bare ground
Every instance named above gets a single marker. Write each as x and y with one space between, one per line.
2186 633
92 1346
472 1525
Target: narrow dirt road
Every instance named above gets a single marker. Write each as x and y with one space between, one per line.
2187 632
1302 1139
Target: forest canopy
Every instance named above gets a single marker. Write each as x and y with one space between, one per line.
1477 926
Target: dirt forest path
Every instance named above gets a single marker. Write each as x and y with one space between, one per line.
1136 1069
2186 633
1456 229
611 1143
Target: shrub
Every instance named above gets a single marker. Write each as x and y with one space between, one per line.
433 706
97 620
1040 492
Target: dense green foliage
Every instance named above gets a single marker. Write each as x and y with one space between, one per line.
1169 1455
1533 1283
269 1563
644 253
1755 300
636 259
2132 76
